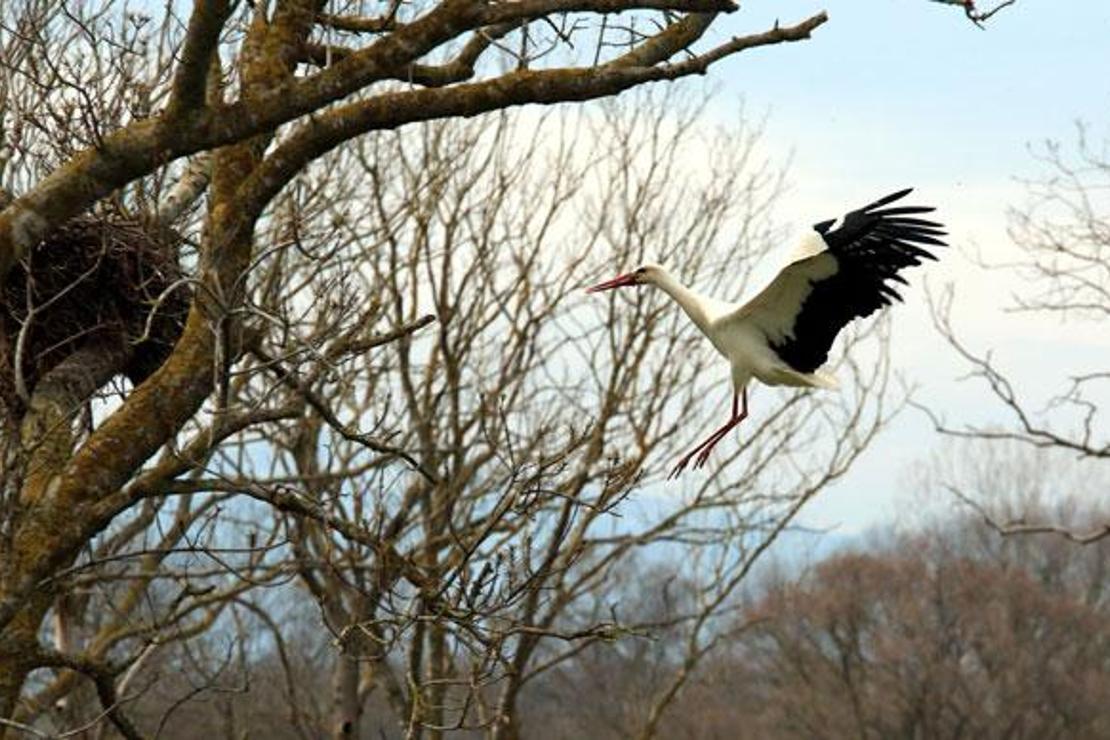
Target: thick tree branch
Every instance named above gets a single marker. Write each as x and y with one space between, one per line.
47 429
103 677
138 148
201 39
186 191
358 24
459 69
389 110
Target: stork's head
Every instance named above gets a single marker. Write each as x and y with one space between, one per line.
648 273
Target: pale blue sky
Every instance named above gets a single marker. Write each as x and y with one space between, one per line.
891 93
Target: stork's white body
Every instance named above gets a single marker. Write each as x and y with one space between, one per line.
738 332
784 334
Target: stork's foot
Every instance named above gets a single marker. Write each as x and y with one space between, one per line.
677 471
702 451
704 448
703 458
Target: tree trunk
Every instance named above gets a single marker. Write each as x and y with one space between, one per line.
346 706
47 439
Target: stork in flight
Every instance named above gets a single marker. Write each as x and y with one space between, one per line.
783 335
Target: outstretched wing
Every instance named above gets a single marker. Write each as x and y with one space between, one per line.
812 299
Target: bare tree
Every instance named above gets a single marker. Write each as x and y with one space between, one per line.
938 629
540 413
164 242
101 107
905 643
942 628
1064 236
535 410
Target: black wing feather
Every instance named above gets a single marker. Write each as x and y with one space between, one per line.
870 245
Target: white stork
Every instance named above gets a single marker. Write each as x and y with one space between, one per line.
783 335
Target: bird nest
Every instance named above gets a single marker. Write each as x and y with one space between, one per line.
95 280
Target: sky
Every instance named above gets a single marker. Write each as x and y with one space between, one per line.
896 93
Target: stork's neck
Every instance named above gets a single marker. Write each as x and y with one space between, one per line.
701 309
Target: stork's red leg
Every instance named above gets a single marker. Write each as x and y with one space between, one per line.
738 415
708 443
732 424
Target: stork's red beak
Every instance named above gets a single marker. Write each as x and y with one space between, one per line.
618 282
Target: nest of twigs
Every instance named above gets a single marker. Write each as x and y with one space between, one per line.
96 279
